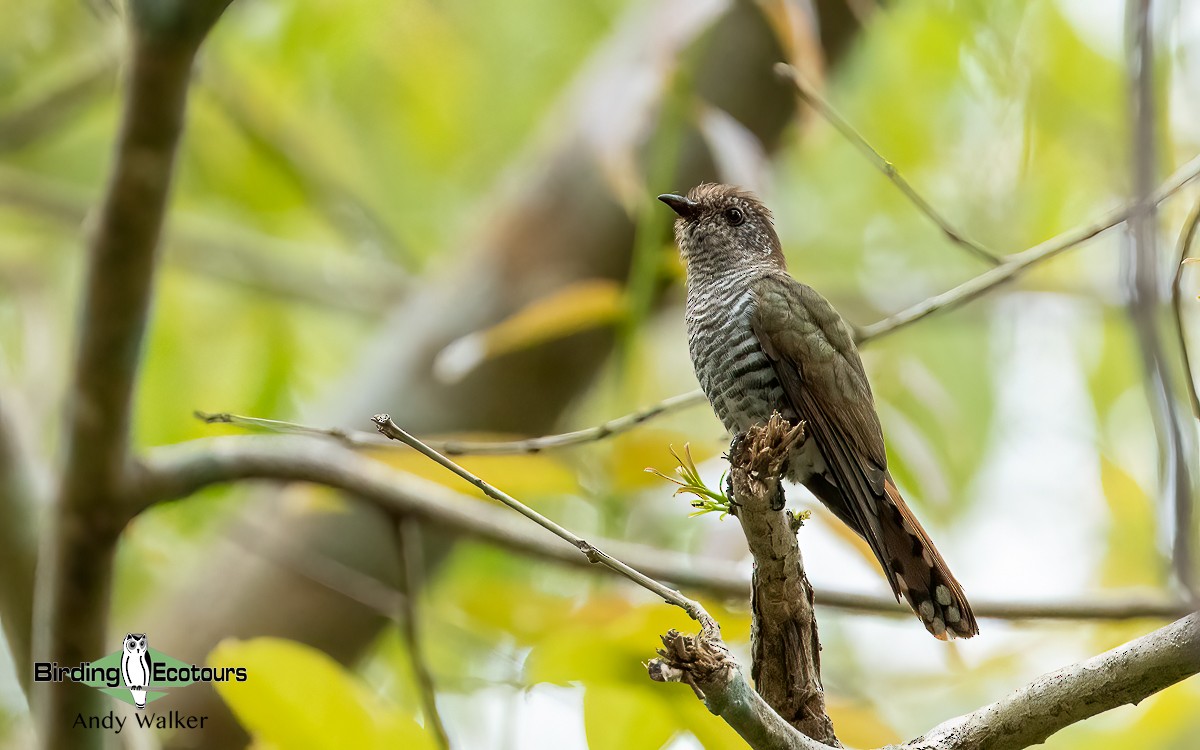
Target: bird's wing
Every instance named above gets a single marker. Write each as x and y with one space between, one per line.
814 357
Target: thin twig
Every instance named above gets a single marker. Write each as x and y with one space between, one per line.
1186 237
831 115
390 429
360 439
1017 264
411 575
185 468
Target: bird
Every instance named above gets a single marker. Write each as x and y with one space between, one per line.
136 667
762 342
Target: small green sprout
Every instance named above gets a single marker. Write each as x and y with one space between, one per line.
706 500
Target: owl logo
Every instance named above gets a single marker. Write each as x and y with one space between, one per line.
136 667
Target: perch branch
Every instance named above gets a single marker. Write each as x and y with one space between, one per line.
713 674
810 97
784 644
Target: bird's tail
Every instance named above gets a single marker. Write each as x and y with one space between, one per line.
918 573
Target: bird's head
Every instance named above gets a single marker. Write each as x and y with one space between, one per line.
721 228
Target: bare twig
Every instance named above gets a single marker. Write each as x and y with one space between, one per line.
1186 238
831 115
1145 298
185 468
411 576
671 596
1015 265
75 575
1126 674
360 439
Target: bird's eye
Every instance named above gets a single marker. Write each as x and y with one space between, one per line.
734 216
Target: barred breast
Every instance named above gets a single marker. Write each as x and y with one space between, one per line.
734 371
732 368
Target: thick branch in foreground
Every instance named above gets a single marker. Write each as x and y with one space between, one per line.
785 647
1127 674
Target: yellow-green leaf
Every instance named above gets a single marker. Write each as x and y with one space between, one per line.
298 698
573 308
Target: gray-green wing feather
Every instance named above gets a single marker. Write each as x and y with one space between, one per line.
814 357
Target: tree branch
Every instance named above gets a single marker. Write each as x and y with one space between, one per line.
591 552
810 97
1150 663
1176 441
1126 674
75 577
784 644
1186 237
18 546
708 668
411 578
176 471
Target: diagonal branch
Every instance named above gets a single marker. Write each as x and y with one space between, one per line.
831 115
1127 674
590 551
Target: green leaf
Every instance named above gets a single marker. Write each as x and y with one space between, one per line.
296 697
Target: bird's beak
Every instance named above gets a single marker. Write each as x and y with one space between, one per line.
685 207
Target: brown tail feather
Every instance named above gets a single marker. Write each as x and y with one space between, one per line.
918 573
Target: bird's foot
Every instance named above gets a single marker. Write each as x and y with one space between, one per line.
778 500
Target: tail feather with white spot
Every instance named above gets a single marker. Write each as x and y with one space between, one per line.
917 572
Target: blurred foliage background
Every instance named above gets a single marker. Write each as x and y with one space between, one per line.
340 157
